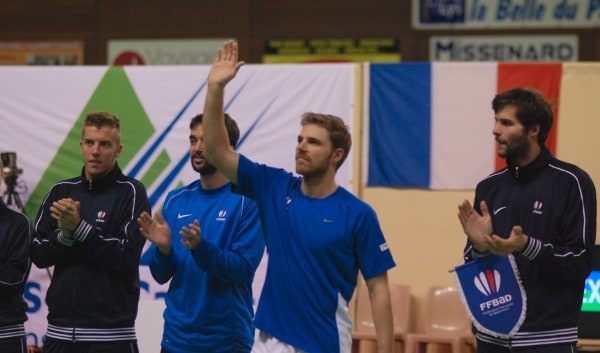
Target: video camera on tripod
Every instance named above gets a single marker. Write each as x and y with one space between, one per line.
11 172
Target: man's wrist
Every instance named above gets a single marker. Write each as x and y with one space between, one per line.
479 253
216 85
67 233
524 246
164 250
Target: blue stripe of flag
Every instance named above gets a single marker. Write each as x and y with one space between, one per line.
400 125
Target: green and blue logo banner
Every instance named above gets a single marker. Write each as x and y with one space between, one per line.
42 111
493 295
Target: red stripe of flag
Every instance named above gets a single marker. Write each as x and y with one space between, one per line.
544 77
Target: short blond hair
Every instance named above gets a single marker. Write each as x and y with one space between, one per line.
100 119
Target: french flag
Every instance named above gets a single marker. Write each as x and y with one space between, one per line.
430 124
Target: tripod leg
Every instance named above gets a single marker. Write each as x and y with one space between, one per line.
13 201
19 203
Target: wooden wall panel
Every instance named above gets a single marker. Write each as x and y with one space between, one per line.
39 19
294 19
251 22
169 19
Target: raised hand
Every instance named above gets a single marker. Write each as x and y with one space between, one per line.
516 241
158 232
66 212
225 65
191 236
478 227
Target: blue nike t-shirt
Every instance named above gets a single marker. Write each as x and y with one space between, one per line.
316 248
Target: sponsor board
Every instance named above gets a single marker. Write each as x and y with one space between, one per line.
331 50
478 14
515 48
41 52
162 51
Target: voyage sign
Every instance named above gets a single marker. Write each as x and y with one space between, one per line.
477 14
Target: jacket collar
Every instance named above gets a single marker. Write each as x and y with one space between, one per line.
530 170
100 183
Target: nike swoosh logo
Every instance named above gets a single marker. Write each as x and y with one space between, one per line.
180 216
327 220
498 210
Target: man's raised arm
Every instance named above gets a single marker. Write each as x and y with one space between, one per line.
216 142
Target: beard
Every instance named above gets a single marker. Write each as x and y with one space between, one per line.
515 148
204 168
311 171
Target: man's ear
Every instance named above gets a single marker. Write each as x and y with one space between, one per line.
534 130
338 154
